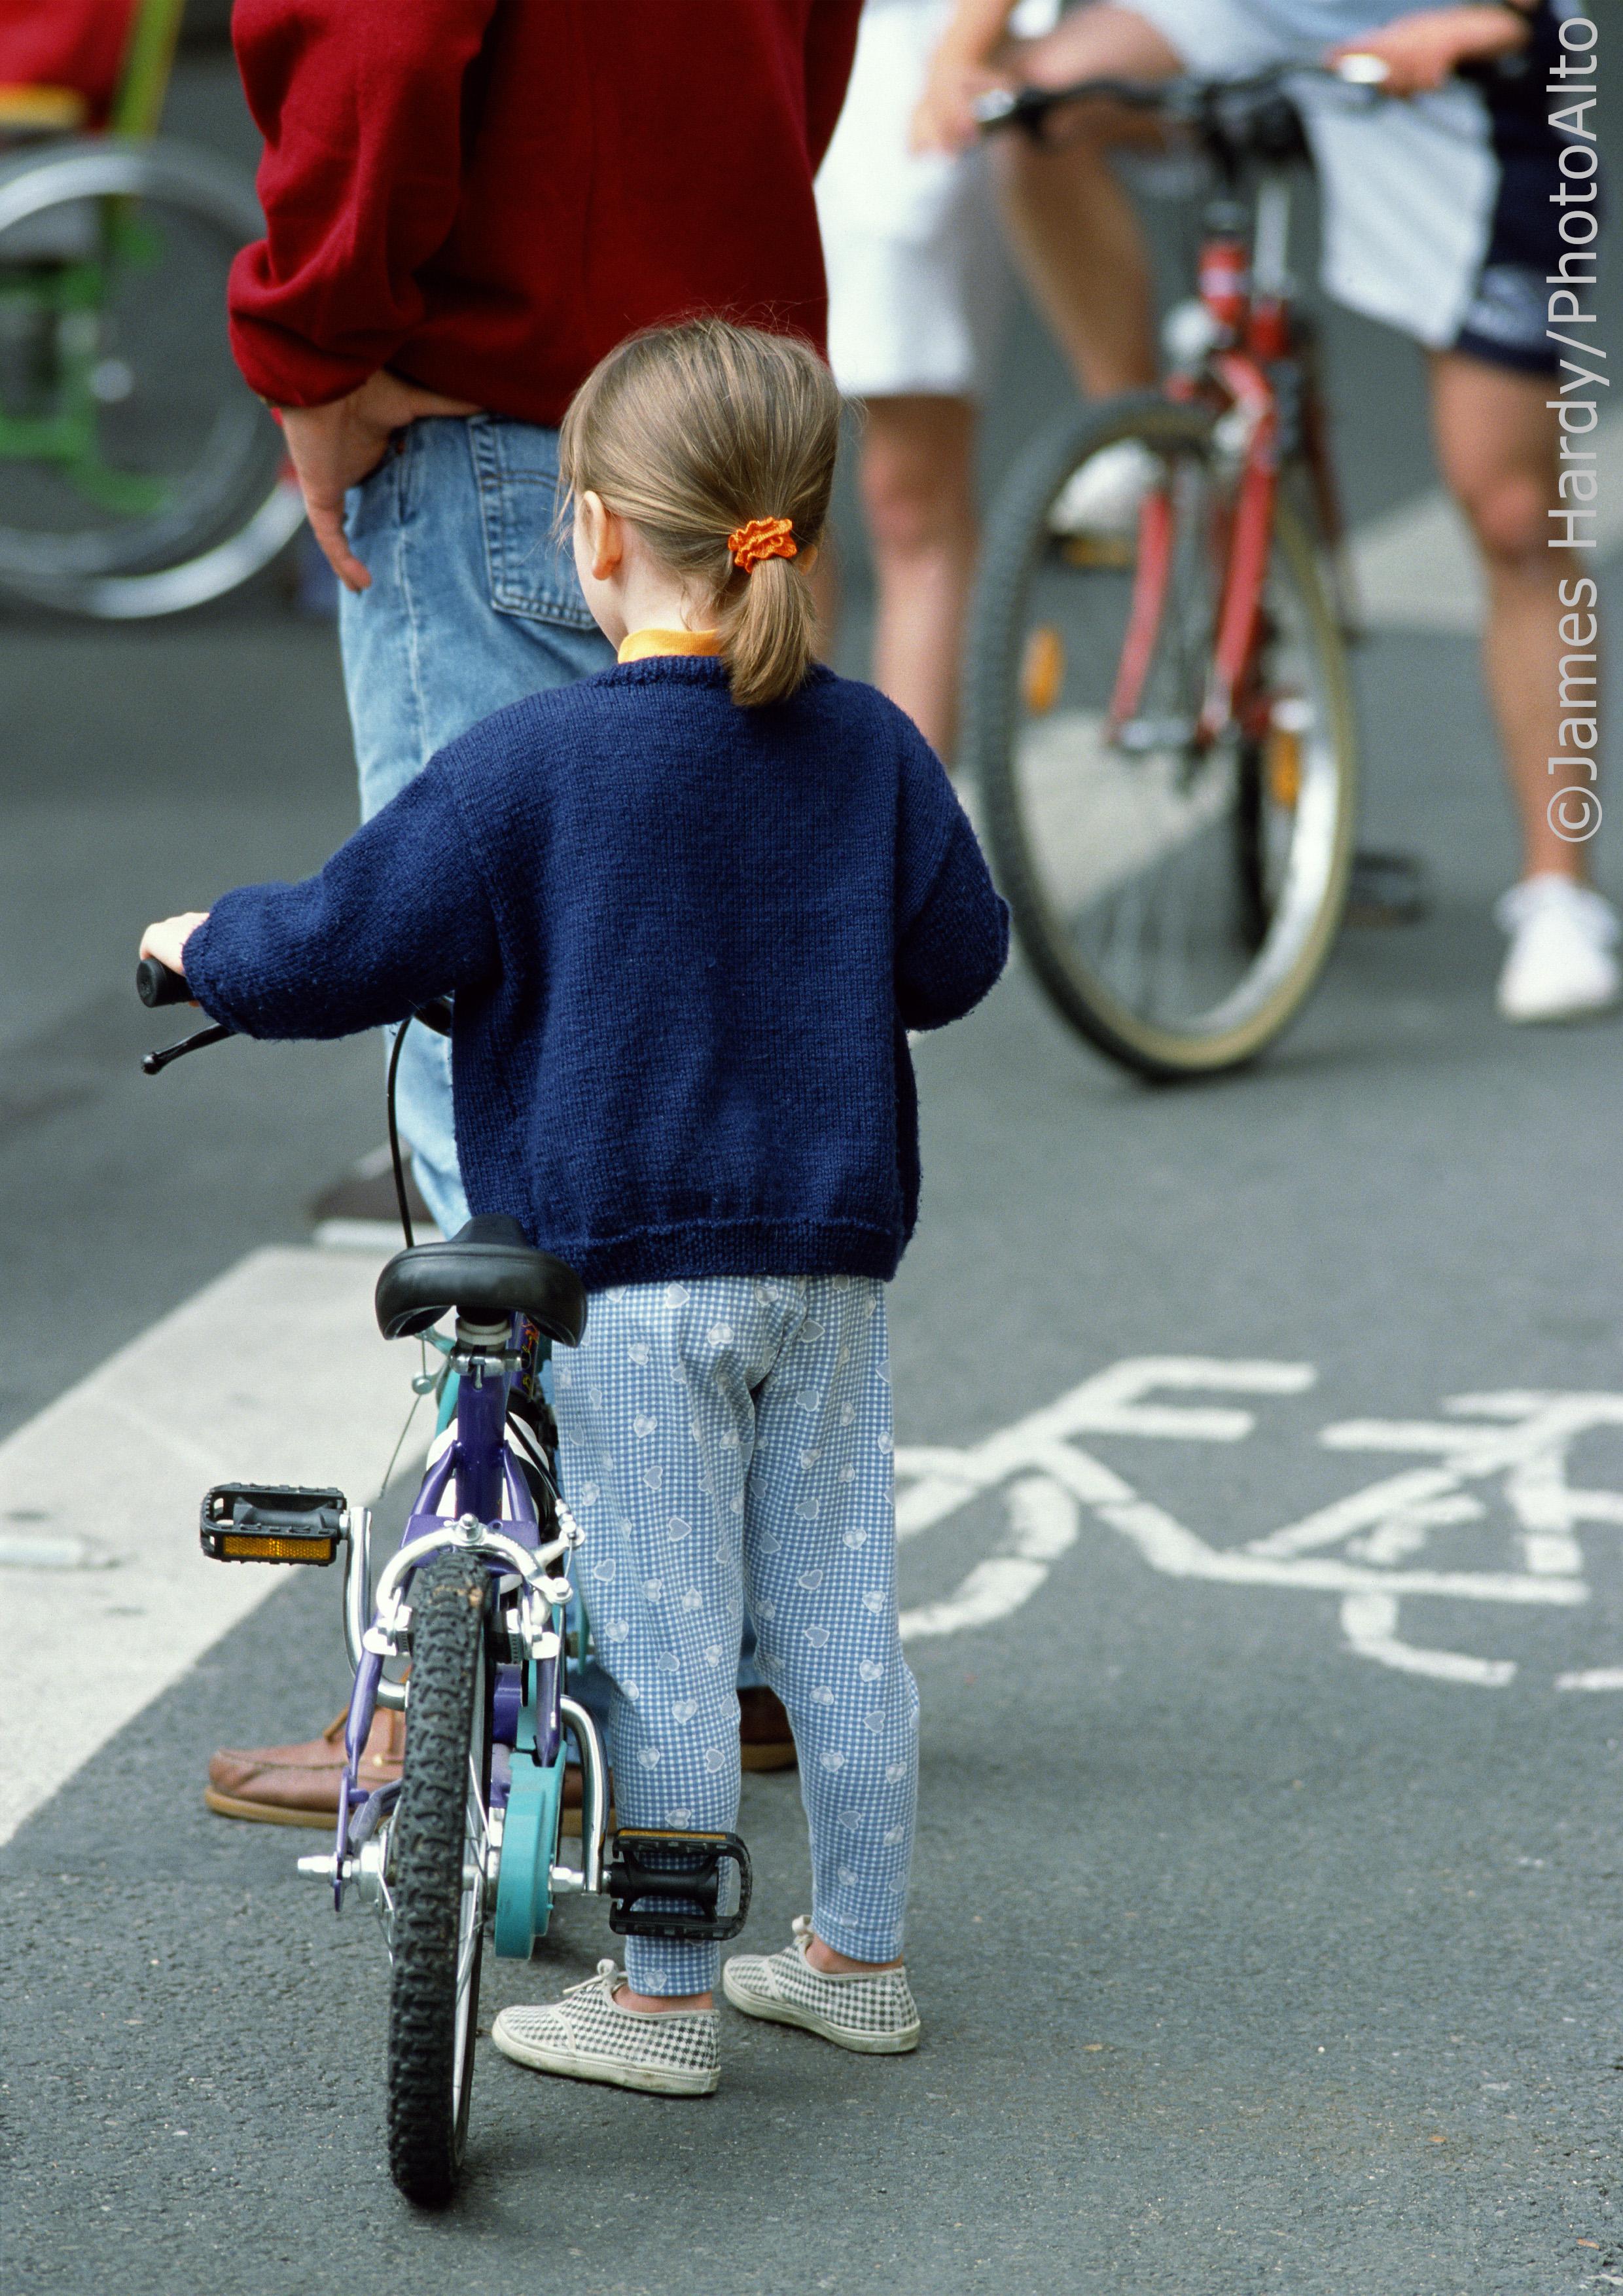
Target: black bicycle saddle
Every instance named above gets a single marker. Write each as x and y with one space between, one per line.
486 1272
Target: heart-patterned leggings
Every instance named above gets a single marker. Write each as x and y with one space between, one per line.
730 1437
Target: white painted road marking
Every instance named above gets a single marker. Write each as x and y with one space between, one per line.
1043 1519
274 1373
1043 1510
1516 1437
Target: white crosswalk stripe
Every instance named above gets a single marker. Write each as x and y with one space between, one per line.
274 1373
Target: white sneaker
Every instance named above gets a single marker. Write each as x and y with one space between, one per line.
587 2036
1105 496
1561 963
874 2012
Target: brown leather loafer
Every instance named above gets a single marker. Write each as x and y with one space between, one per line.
765 1740
297 1785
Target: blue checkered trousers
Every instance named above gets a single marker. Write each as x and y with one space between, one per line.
729 1439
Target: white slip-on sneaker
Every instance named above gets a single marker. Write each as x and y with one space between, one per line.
587 2036
1562 962
874 2012
1105 495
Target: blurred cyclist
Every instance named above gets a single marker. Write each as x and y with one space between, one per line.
1441 219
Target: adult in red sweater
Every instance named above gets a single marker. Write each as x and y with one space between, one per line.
475 199
467 202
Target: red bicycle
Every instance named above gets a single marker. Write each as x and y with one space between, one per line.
1159 709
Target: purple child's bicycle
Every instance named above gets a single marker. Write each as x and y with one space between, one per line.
479 1599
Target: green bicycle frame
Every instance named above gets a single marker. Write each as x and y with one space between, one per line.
61 301
148 59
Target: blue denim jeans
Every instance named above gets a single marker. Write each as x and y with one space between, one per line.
474 603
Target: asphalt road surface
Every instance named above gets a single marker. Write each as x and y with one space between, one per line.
1262 1579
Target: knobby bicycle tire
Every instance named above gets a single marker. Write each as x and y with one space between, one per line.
448 1744
1016 537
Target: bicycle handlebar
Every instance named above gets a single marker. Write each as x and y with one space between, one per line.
1190 99
1182 98
156 984
1020 107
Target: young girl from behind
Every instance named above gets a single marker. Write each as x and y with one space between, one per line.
690 909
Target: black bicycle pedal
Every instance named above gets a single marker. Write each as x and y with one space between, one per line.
642 1869
273 1522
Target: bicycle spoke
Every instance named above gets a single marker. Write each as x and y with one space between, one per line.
476 1857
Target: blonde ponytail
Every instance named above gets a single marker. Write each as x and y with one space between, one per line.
694 431
768 633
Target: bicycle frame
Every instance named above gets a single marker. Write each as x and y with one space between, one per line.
1251 364
488 1497
65 301
1252 368
148 59
493 1513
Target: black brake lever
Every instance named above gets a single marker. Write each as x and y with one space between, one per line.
152 1063
155 985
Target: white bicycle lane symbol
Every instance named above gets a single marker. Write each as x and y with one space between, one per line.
1367 1547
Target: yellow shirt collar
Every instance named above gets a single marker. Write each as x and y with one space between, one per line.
640 645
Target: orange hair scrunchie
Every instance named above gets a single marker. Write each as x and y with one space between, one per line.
763 538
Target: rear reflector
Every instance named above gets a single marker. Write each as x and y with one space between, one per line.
244 1546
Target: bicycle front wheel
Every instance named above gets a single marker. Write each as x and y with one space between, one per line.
1176 894
438 1874
138 474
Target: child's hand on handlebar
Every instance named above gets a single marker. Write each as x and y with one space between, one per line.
1423 51
167 941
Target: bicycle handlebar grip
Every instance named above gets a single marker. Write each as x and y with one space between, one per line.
155 984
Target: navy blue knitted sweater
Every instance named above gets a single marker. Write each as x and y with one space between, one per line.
685 941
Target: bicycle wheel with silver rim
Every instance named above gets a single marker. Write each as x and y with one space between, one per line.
138 474
439 1878
1176 896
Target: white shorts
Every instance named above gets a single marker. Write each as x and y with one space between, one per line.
1436 212
1432 208
918 281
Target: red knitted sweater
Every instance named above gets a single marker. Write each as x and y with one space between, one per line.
487 195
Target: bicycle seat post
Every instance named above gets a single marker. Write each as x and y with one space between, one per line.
484 1363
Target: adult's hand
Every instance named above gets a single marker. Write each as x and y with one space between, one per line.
1422 51
966 64
333 448
944 117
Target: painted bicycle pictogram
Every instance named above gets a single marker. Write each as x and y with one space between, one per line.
1496 1463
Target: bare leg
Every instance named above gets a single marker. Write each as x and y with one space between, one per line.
833 1963
917 481
659 2004
1070 226
1498 444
